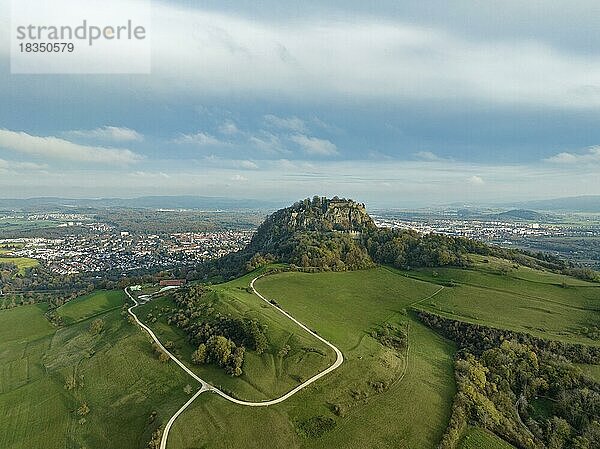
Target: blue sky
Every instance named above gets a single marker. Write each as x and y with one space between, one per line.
398 103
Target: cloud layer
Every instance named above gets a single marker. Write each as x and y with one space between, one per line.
387 101
108 133
364 57
592 155
56 148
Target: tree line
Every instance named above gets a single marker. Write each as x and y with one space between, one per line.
477 338
525 389
501 391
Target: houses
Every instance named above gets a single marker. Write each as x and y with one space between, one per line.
172 283
104 249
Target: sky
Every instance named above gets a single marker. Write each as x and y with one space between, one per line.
395 104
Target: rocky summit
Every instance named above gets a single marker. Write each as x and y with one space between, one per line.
319 214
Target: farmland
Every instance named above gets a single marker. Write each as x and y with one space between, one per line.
88 306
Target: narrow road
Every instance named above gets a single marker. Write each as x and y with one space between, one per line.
205 386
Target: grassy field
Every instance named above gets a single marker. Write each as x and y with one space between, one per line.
8 225
379 401
116 373
517 298
90 305
591 370
380 397
477 438
265 376
22 263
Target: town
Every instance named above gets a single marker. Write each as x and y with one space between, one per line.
107 250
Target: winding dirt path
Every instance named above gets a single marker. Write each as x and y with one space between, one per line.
205 386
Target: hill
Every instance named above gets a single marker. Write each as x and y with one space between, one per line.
322 234
316 215
319 233
585 203
146 202
521 214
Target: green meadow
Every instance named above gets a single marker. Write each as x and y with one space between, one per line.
478 438
412 410
265 376
378 398
502 295
48 373
90 305
592 371
22 263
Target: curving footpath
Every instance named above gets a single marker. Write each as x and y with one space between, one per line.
205 386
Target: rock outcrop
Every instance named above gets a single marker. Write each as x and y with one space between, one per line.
317 215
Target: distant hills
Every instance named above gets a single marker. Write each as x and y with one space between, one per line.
587 203
145 202
509 215
520 210
521 214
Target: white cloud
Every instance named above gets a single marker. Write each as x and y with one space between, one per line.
219 162
249 165
286 123
56 148
285 165
229 128
314 146
268 143
476 180
110 133
364 56
239 178
20 169
592 155
150 175
200 139
428 156
378 155
12 165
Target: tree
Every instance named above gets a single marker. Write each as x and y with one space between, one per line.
199 355
71 382
83 409
220 349
236 359
97 326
